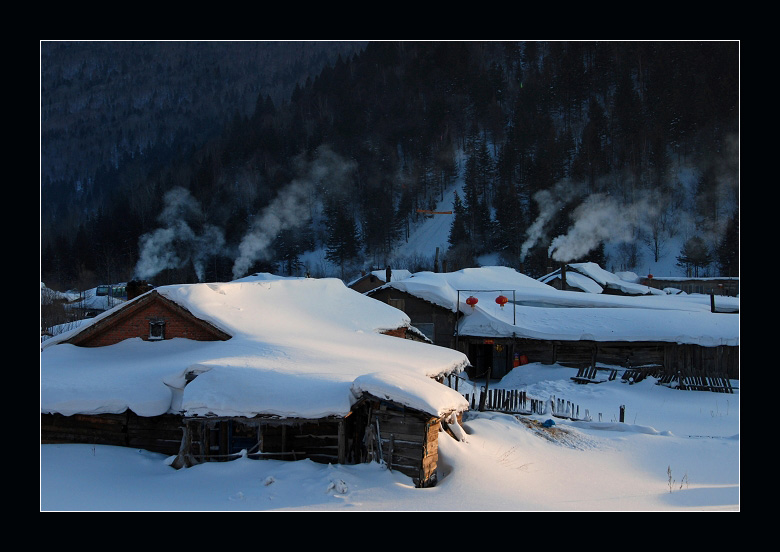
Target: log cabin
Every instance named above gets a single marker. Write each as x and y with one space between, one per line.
264 367
656 332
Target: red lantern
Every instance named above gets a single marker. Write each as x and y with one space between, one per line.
471 301
501 300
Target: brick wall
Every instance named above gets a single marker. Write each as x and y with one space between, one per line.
137 325
398 332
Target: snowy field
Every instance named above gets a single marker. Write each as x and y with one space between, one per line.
676 451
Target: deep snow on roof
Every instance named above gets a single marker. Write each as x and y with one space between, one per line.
590 277
442 288
381 275
300 347
538 311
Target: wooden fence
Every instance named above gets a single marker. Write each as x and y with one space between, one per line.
515 401
696 382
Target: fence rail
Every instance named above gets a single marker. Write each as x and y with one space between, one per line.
516 401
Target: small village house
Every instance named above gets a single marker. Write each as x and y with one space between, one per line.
535 322
264 367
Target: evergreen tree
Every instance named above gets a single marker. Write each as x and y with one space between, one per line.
695 255
509 217
458 231
728 250
343 242
478 186
289 246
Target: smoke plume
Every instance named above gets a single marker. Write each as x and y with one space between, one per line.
601 218
176 244
291 208
550 202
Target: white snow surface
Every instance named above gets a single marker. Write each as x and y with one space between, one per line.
299 348
590 277
381 275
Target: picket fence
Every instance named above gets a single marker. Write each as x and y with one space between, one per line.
517 401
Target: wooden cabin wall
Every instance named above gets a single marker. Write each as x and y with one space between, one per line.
695 360
222 439
161 434
422 312
667 357
631 355
409 441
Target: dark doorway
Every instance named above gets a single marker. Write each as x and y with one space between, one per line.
493 356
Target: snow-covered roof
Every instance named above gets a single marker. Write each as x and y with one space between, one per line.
591 278
441 288
300 347
381 275
538 311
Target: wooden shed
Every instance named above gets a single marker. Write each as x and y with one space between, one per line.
376 430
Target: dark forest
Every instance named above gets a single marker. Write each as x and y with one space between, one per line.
181 162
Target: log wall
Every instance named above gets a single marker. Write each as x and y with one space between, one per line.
161 434
215 439
409 441
663 357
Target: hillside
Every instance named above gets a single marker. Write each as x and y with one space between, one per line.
620 153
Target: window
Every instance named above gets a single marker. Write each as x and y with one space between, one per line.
397 303
426 328
156 330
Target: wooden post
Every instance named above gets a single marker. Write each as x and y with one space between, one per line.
483 396
622 413
342 443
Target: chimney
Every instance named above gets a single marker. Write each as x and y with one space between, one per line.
388 273
563 276
137 287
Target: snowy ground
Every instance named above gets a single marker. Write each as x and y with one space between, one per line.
676 450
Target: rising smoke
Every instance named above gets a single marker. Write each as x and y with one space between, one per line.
176 243
601 218
292 208
550 202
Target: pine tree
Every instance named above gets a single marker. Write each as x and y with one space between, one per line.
458 232
343 242
728 250
478 184
694 255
